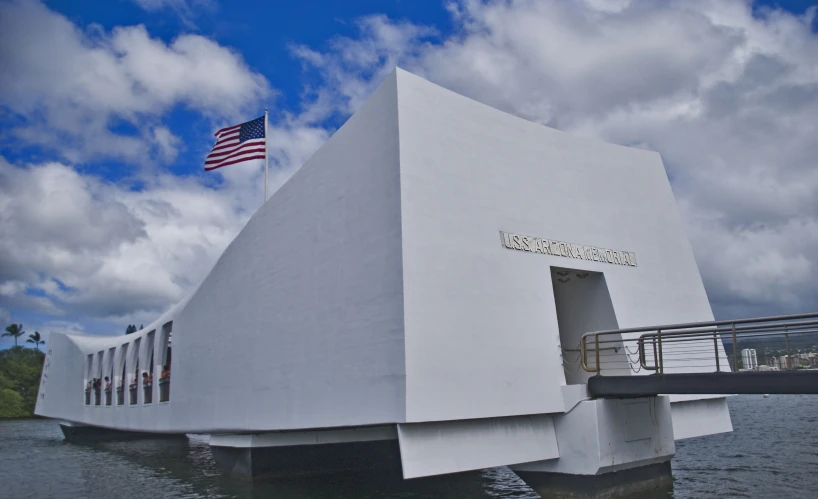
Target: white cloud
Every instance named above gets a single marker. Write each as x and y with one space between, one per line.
101 251
77 246
179 5
354 67
75 88
45 329
187 10
728 96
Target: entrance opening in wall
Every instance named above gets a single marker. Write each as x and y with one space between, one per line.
583 305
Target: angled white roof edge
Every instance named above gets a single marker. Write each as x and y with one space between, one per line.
174 310
88 340
595 140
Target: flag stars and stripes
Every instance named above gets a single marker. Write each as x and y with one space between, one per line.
238 143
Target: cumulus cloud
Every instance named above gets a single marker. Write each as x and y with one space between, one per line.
352 68
727 95
75 245
98 247
76 90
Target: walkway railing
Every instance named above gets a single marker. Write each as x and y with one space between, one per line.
780 342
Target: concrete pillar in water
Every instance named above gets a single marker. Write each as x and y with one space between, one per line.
77 432
608 448
307 453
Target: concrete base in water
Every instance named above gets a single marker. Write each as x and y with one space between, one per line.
307 460
74 432
608 448
651 480
310 453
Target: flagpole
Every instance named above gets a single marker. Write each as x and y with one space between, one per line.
266 156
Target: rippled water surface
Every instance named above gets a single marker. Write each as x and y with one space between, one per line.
773 452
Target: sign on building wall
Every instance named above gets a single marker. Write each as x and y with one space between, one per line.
568 250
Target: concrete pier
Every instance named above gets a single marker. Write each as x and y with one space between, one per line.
304 454
653 479
414 300
75 432
608 448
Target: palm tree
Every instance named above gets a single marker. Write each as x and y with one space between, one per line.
15 331
36 339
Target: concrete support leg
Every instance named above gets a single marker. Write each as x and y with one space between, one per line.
311 453
75 432
608 448
653 478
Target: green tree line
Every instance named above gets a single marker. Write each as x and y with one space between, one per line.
20 370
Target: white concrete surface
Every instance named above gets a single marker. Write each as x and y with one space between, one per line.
452 446
296 438
374 287
600 436
468 171
696 418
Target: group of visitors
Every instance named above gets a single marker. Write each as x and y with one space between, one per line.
147 380
96 384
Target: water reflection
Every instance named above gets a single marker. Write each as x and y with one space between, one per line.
187 470
771 453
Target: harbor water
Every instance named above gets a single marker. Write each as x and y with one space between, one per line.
773 452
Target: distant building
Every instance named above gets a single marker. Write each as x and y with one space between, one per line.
789 361
784 361
749 358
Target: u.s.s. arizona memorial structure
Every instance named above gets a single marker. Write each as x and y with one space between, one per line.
413 297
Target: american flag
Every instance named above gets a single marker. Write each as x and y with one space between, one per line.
238 143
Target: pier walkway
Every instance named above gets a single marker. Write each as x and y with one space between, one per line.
719 357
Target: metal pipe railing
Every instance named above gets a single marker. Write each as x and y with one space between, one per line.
670 339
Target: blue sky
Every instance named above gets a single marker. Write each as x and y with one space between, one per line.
107 110
264 39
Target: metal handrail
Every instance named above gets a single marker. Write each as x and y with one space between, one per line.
706 324
655 337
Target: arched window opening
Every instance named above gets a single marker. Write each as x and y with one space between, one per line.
120 387
98 379
133 386
108 382
88 381
164 362
147 376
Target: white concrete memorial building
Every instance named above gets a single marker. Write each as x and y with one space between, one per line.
413 298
